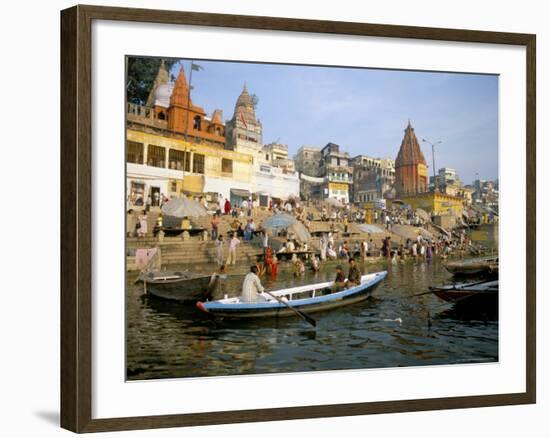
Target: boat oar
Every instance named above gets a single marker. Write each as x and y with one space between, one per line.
302 315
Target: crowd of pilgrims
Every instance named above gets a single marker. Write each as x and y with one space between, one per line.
420 248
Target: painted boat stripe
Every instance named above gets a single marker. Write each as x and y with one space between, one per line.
213 305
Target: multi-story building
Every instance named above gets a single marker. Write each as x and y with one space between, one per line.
174 148
336 169
373 178
447 181
308 160
467 192
486 194
276 154
324 173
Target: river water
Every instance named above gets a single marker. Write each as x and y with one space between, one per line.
391 329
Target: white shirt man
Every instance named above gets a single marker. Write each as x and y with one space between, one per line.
365 248
252 286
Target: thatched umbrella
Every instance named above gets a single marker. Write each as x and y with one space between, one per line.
301 232
282 220
176 209
288 222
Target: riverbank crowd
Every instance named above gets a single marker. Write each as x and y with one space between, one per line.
342 233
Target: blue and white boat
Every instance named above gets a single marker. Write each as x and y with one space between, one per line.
308 298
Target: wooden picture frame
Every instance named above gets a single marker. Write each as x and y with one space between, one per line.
76 219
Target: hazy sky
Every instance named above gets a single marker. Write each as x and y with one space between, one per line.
363 110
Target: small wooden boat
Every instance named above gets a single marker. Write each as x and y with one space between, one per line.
477 266
179 286
309 298
478 293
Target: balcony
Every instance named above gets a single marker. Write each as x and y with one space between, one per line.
144 115
341 178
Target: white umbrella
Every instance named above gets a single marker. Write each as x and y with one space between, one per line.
183 207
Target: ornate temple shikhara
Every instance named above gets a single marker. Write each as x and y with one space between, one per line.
411 171
411 180
244 130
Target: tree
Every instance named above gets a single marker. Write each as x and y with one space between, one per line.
141 75
255 101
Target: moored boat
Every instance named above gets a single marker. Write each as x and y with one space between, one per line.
308 298
477 266
179 286
477 293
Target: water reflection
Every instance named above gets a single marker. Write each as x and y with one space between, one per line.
168 339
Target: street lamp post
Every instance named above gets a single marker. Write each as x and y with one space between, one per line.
433 156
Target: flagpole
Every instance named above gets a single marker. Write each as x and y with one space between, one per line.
185 136
189 101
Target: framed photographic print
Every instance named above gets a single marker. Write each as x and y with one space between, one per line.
268 218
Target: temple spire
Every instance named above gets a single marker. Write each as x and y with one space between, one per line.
162 78
180 93
410 165
410 152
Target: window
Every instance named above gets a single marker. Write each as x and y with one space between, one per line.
134 152
161 116
156 156
136 193
227 165
187 161
176 159
198 163
173 186
197 123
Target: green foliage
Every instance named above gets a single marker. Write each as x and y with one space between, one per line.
141 76
255 101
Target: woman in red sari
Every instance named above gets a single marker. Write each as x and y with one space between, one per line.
270 262
227 206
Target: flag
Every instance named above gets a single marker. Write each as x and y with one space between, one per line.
196 67
242 119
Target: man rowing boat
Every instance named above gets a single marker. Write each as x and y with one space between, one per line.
252 286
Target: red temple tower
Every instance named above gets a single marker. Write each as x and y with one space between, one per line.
411 171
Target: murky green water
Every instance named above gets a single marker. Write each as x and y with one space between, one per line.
390 329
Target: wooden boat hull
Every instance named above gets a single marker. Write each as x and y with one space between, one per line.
274 309
488 266
474 294
178 286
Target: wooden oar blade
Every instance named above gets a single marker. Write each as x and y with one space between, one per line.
307 318
310 320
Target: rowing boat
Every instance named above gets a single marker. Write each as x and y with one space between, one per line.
179 286
477 266
478 293
309 298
